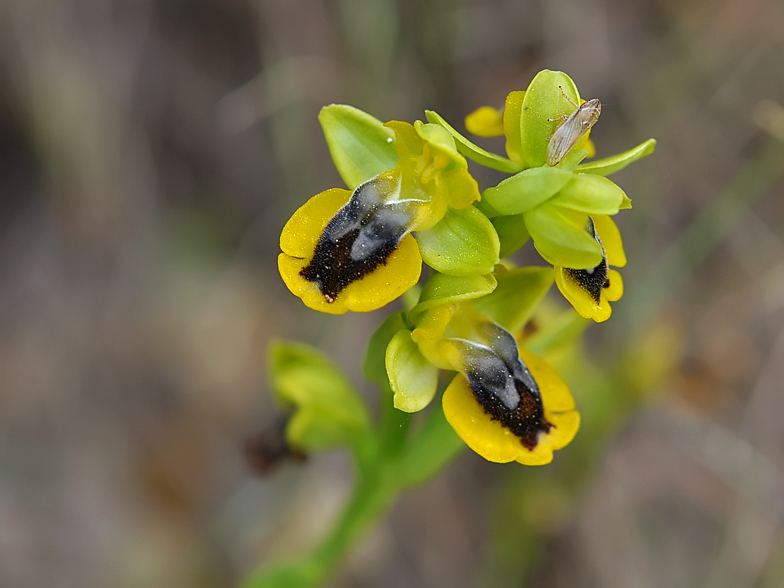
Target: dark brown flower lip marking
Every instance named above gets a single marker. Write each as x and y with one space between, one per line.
504 387
333 268
359 238
592 281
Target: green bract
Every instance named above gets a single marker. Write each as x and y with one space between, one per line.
528 189
328 412
560 238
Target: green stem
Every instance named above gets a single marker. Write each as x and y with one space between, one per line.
371 499
381 477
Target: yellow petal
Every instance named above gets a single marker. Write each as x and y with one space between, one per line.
482 434
610 237
603 311
555 393
441 144
512 130
565 426
409 144
302 232
429 332
485 121
298 241
389 281
289 268
492 440
433 322
459 186
614 291
576 296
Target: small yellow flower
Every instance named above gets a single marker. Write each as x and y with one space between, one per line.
590 291
334 265
354 251
507 404
542 422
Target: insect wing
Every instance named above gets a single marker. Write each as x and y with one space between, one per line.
572 130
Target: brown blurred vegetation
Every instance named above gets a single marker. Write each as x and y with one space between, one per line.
150 152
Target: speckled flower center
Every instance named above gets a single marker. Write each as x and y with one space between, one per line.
592 281
360 237
503 385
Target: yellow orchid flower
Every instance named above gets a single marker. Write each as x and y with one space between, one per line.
506 403
344 251
354 251
590 291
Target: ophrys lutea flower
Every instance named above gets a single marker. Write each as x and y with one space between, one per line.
506 403
591 290
354 251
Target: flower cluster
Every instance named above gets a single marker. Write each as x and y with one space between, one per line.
411 199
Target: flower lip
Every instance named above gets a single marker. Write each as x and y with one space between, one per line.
591 290
503 385
592 281
359 238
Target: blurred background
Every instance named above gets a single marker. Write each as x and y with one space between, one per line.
150 153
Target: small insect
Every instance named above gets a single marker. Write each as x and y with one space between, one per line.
571 130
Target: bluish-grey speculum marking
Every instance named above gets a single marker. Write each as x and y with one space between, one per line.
503 385
359 238
592 281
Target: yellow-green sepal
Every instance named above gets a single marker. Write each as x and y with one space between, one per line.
360 145
526 190
560 237
610 165
473 151
544 105
328 412
592 194
442 289
515 298
413 379
512 233
463 242
512 125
